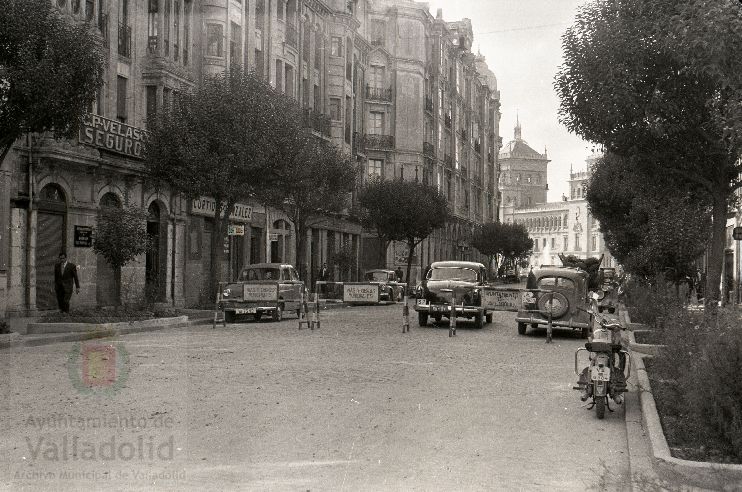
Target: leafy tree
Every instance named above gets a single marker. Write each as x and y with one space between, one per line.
50 70
120 234
403 211
345 259
502 241
657 82
221 140
648 227
318 182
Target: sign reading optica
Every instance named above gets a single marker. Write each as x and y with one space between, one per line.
112 135
207 206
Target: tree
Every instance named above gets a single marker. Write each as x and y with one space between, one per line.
657 82
120 234
221 140
345 259
318 183
500 241
50 70
403 211
648 227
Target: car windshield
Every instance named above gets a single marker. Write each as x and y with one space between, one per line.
377 276
453 273
260 274
565 283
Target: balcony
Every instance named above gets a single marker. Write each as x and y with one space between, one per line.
383 142
357 147
347 133
428 149
292 36
378 94
124 47
429 104
317 121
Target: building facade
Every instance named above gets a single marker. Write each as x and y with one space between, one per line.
389 84
564 227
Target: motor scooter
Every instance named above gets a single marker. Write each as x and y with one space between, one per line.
604 376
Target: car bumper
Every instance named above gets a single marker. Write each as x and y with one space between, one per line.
446 309
541 320
248 308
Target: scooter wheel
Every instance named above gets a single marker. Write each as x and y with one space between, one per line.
600 407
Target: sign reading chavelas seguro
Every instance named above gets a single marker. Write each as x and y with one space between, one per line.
207 206
112 135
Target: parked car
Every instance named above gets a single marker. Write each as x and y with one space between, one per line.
568 306
465 279
262 289
389 288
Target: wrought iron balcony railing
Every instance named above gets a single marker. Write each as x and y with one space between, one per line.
317 121
378 93
373 141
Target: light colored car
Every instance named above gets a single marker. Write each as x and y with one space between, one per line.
389 288
262 289
568 302
464 278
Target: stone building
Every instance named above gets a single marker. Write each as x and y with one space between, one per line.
392 86
565 227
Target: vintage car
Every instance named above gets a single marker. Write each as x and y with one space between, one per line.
561 291
608 291
262 289
389 288
465 279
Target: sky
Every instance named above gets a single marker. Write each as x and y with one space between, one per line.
521 41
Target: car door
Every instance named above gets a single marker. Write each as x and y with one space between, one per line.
291 288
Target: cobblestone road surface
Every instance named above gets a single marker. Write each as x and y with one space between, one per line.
356 405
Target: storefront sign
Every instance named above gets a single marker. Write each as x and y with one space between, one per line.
236 230
207 206
112 135
83 236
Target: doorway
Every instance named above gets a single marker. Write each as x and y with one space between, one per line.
50 241
156 258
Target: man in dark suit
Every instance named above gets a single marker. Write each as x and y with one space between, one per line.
65 273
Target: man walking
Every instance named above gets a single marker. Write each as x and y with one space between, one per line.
65 273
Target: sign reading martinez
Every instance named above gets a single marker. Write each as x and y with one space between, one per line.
207 206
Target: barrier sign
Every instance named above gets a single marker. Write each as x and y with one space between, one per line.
360 292
260 292
494 299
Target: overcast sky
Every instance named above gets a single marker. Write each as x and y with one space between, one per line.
521 40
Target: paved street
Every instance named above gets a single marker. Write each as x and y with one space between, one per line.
356 405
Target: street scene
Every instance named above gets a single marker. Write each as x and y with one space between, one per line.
312 245
354 405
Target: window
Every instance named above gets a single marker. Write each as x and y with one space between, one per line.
376 123
279 76
61 3
335 108
374 167
566 242
281 7
544 243
378 32
215 44
553 243
150 93
318 47
565 283
166 27
152 25
235 35
535 244
289 81
186 30
306 48
595 243
317 100
75 6
577 242
176 29
259 14
121 94
376 77
336 48
166 97
89 9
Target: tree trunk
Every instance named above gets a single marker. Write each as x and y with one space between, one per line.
716 250
411 244
300 246
217 246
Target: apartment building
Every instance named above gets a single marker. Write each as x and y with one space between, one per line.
392 86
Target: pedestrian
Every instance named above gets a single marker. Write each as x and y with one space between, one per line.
65 273
531 280
324 276
400 274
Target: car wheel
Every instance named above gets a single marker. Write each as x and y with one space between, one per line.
422 319
479 320
611 310
522 327
229 316
600 407
488 317
558 307
534 325
437 318
585 332
257 316
278 313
